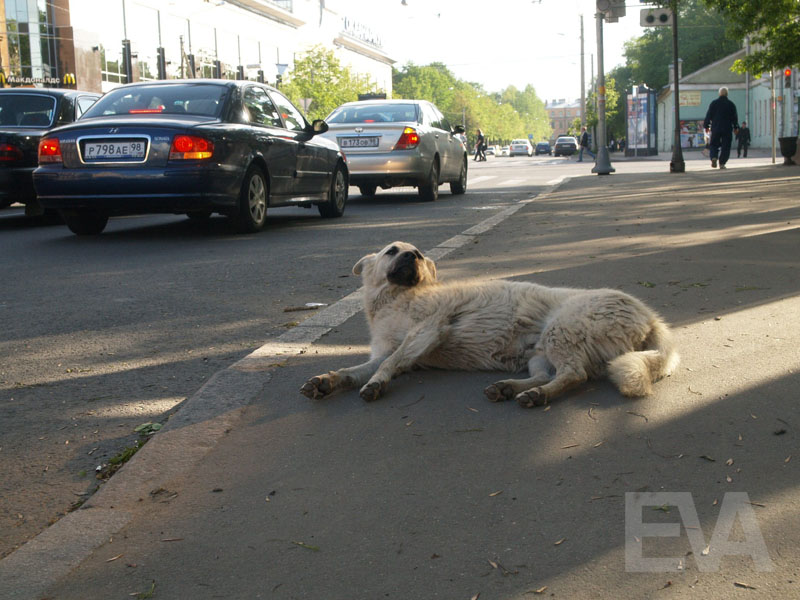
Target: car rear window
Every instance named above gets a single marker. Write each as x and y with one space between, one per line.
565 140
520 142
202 99
26 110
375 113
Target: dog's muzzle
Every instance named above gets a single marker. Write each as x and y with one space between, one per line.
404 270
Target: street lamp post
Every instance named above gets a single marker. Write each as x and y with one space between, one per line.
602 165
676 165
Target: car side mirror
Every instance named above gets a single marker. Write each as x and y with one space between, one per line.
459 129
319 126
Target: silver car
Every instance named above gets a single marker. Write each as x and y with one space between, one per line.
390 143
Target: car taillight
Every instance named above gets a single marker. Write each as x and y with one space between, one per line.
9 153
408 140
190 147
49 151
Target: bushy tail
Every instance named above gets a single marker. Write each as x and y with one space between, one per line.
635 372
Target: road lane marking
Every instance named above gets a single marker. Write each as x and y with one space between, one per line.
480 178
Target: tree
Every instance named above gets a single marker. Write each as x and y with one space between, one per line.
773 27
319 75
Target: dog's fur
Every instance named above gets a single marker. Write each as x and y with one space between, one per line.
564 336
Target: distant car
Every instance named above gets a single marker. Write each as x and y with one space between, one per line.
190 147
565 146
490 150
543 148
520 147
25 115
504 151
392 143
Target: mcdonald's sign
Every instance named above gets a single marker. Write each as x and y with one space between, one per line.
2 78
69 79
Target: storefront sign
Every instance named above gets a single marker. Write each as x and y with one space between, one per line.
16 80
690 98
361 32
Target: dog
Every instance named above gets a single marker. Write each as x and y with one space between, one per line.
564 336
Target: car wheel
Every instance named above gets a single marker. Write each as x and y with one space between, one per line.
252 201
337 196
429 191
460 185
368 190
85 222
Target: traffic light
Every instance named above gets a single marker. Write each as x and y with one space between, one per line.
787 77
653 17
161 63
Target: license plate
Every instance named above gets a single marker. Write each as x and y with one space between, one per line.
117 150
358 142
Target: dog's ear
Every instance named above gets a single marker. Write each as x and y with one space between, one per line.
431 267
359 266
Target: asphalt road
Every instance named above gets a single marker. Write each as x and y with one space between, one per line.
103 334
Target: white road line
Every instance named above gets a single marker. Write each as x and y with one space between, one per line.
510 182
479 178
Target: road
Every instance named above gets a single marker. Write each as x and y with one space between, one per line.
106 333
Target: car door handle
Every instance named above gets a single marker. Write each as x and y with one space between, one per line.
266 140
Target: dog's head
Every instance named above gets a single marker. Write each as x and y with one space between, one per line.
398 264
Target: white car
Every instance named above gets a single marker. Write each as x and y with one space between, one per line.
391 143
504 151
521 148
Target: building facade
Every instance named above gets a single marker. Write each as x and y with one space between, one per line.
562 114
72 43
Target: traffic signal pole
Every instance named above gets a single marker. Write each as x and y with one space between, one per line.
602 165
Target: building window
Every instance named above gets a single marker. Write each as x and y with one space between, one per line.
111 68
29 40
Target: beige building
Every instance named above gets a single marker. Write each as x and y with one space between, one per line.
562 114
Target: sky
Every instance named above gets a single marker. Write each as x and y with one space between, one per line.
504 42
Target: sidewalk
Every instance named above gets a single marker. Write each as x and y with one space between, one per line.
253 491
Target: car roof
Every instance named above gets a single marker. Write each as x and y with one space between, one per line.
382 101
47 91
219 82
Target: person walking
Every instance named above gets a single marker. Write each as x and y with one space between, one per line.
480 146
583 142
720 119
743 137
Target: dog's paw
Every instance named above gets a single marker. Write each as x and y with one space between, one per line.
317 387
531 398
372 391
498 392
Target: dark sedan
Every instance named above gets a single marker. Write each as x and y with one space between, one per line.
566 145
25 115
191 147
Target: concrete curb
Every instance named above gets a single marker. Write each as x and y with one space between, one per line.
185 439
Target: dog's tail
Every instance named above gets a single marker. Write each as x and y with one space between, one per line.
635 372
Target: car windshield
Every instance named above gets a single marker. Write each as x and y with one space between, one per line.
26 110
202 99
564 140
375 113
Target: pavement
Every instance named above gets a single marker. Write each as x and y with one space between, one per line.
253 491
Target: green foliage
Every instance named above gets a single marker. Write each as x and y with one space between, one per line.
612 106
702 38
319 75
773 27
502 116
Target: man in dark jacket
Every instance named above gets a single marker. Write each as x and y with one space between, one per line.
743 137
721 118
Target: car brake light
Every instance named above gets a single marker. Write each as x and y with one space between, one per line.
408 140
190 147
49 151
9 153
146 111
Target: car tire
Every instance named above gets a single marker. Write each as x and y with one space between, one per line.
337 195
368 190
253 201
85 222
460 185
429 191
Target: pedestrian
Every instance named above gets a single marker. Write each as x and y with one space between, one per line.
743 137
583 142
720 119
480 146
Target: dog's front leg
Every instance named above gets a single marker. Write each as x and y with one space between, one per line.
421 340
349 377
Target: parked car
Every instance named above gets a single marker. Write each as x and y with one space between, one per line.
565 146
490 150
25 115
392 143
520 147
504 151
543 148
191 147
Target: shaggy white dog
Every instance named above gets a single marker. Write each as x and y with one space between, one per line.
564 336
